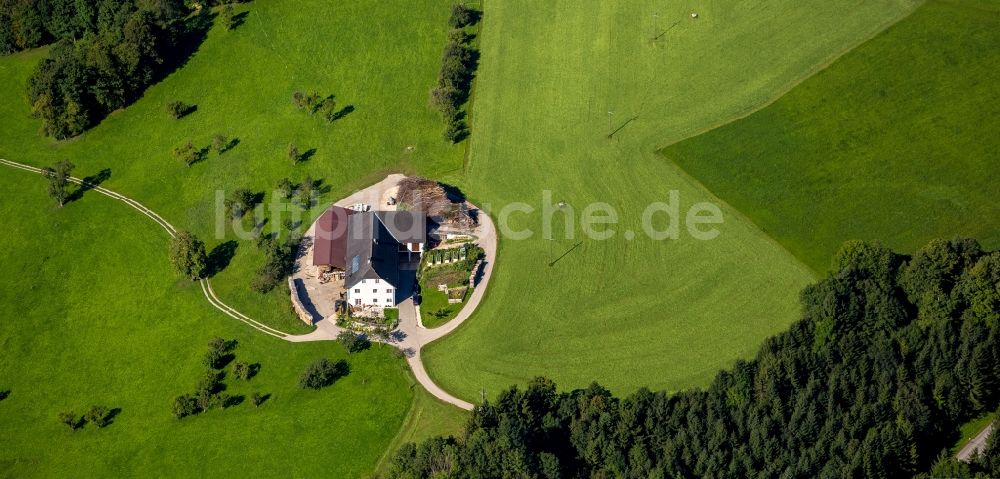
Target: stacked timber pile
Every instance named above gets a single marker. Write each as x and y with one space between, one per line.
430 197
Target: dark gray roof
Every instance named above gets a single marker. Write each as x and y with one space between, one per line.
372 251
404 226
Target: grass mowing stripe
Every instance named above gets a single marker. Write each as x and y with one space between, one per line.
904 156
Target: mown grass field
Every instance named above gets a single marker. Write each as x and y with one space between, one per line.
380 57
663 314
896 142
92 314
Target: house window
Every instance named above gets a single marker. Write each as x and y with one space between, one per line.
389 301
375 290
376 280
357 302
374 300
389 291
358 290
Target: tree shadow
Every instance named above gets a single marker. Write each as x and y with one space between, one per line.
347 110
229 146
188 109
195 31
341 369
224 362
234 400
258 225
307 155
220 257
256 199
4 394
89 183
252 370
261 399
474 17
453 193
112 414
238 20
320 187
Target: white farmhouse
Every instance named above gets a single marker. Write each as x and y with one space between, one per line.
377 242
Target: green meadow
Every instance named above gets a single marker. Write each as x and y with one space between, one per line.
629 313
92 312
365 53
895 142
93 315
804 123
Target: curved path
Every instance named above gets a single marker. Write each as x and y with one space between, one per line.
411 335
206 286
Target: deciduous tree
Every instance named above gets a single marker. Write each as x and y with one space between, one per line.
58 176
187 254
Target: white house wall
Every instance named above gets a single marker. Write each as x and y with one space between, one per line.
372 292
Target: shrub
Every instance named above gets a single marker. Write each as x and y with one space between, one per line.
58 176
329 110
178 109
279 264
187 153
257 399
209 384
293 153
70 419
323 373
353 342
243 371
219 143
240 202
206 401
99 416
187 255
184 405
454 131
462 16
217 355
285 188
229 18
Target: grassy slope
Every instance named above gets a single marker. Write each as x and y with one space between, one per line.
630 313
896 142
365 52
91 314
428 417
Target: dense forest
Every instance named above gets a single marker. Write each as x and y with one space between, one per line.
893 352
105 54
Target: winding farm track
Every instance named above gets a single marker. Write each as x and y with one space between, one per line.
206 286
414 335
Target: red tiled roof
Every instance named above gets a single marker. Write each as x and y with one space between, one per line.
330 242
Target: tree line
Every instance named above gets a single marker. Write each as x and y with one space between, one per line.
892 354
458 66
105 54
